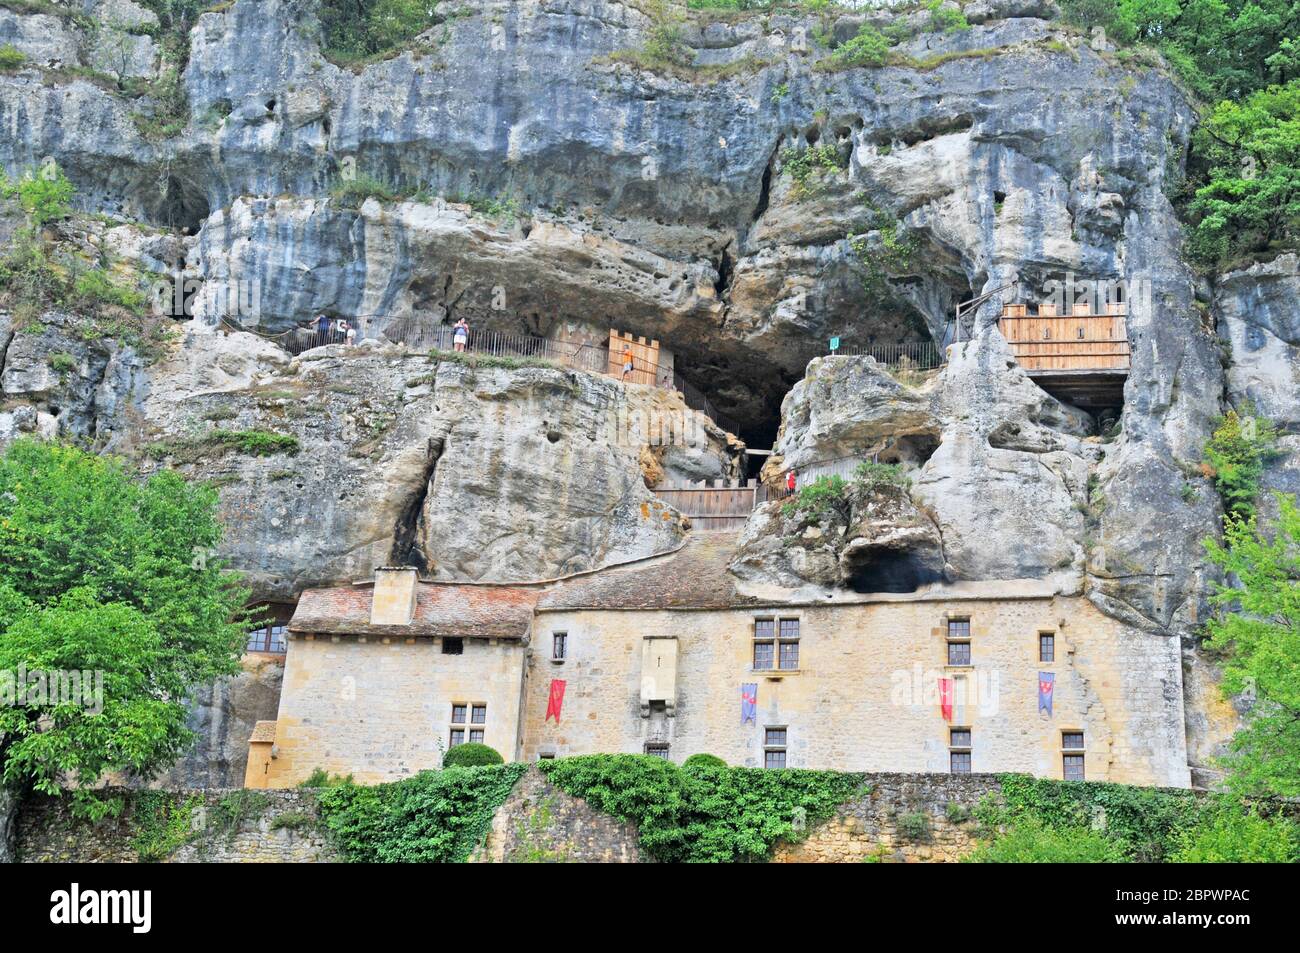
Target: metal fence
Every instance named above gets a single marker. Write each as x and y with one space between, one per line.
916 355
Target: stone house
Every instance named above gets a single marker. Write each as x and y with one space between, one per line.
671 656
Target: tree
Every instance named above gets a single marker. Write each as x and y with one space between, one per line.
1258 626
1251 150
111 610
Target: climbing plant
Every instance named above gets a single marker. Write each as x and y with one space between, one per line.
706 814
434 817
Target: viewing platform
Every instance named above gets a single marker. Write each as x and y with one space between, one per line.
1080 358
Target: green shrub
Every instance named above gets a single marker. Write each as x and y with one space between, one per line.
869 47
434 817
291 820
946 19
1238 450
1236 837
914 827
360 30
821 498
471 755
809 167
62 362
869 475
353 192
1030 841
161 824
11 58
255 443
320 778
703 760
724 815
45 195
95 288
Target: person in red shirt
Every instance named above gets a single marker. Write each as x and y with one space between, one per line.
790 481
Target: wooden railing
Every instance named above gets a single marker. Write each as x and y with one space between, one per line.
917 355
713 504
1083 341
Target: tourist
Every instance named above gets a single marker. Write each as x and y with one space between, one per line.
351 336
323 327
627 361
460 336
790 483
341 329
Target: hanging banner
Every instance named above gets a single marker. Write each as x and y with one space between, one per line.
1046 684
556 700
749 703
945 698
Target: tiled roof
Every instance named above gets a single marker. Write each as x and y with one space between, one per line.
263 731
693 577
441 609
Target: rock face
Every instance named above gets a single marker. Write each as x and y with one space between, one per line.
539 177
468 470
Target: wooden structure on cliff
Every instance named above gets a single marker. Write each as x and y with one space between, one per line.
1081 358
714 504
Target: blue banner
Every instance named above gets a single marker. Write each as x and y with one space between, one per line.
749 703
1046 683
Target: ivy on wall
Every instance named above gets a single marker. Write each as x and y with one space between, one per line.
704 813
434 817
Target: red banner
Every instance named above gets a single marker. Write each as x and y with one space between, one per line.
556 700
945 698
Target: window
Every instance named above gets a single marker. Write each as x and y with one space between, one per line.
959 641
1046 647
776 644
774 740
657 749
559 645
269 638
959 750
453 646
471 728
1072 764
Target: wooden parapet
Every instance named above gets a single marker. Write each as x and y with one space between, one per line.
645 357
713 504
1080 343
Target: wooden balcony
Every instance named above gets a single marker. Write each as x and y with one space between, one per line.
1080 358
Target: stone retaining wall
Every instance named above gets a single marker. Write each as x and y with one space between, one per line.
903 818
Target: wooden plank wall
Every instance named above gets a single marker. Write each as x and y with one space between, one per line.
645 357
713 504
1083 342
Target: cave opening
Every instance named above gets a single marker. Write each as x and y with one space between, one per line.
890 570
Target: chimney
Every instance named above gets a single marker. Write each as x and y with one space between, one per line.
393 600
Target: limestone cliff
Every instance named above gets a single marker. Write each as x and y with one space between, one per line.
537 175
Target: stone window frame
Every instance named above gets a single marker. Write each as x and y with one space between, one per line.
1073 755
469 725
1049 645
776 640
559 647
771 748
959 639
657 749
956 748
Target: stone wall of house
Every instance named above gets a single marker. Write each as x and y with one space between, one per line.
539 823
272 827
380 710
864 697
904 818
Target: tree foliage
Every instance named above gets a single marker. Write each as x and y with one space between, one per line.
1258 629
99 573
358 29
1237 452
1239 838
1030 841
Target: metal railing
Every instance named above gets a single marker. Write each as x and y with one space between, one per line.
916 355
